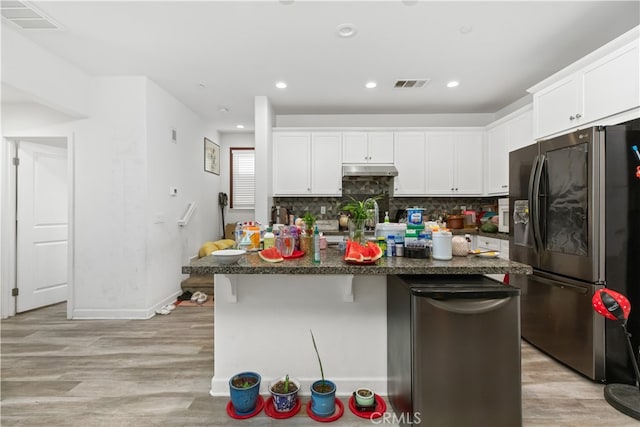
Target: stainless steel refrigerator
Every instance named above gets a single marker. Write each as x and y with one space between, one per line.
575 217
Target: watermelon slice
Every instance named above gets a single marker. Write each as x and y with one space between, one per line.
355 252
271 255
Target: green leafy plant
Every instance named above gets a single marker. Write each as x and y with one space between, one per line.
318 355
360 210
309 219
286 383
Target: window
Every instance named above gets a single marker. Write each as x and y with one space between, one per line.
243 178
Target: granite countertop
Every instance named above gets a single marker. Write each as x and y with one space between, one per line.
332 263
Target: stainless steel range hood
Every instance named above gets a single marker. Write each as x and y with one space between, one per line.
369 170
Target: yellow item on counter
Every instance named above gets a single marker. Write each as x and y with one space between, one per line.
208 247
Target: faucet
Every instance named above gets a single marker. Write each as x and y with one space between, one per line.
376 213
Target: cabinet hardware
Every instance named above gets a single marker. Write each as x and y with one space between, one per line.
578 115
571 118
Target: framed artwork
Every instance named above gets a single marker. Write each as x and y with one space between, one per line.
211 156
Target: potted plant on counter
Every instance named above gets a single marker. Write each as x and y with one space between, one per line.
323 392
306 240
285 393
244 389
359 211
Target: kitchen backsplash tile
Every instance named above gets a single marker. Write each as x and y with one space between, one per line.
362 187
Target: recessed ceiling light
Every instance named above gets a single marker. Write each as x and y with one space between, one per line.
346 30
453 83
465 29
370 85
223 109
281 85
202 86
240 126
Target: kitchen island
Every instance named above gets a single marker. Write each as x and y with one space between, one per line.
264 312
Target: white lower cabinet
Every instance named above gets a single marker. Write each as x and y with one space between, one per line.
492 244
307 164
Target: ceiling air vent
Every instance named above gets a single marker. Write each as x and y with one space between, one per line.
411 83
25 16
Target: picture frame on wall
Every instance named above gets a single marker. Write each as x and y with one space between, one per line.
211 157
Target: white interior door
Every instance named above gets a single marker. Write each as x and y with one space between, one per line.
42 225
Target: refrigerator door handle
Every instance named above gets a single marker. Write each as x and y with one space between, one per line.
564 285
474 306
531 197
537 234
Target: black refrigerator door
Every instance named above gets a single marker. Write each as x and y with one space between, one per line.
522 169
622 149
566 206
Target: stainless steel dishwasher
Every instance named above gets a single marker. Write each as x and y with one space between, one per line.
453 351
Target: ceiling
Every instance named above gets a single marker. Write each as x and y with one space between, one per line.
216 55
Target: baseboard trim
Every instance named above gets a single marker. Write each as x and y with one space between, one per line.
124 314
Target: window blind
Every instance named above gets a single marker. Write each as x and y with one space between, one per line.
243 178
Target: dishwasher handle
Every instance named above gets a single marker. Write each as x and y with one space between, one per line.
469 306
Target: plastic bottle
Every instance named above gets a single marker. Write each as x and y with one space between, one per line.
382 243
237 235
386 216
269 239
316 245
391 246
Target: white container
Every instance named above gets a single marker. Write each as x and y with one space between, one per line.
442 248
386 228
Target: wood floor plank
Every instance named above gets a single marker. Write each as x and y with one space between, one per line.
157 372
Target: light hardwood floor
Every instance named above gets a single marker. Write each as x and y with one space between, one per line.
157 372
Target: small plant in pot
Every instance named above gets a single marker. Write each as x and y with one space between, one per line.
285 393
306 240
323 392
365 398
244 389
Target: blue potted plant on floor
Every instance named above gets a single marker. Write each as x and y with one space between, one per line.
244 389
285 393
323 392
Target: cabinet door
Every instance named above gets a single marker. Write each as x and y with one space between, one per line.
354 147
612 85
556 108
326 164
497 160
410 156
291 161
520 131
440 163
468 164
380 147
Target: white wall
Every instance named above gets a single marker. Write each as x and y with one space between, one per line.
50 80
227 141
179 165
128 248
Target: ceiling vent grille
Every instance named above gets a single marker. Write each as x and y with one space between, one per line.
411 83
25 16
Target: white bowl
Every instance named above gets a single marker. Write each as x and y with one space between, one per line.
228 256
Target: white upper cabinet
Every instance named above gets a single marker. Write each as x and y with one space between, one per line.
509 133
410 160
367 147
498 160
326 163
454 163
600 88
307 164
